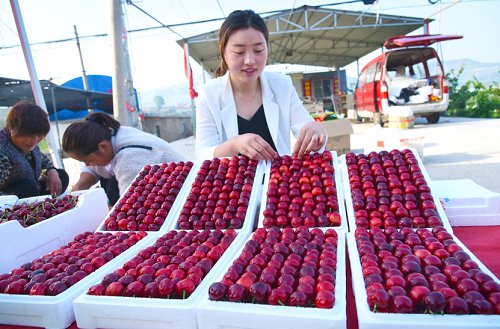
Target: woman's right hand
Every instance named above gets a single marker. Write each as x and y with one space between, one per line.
251 145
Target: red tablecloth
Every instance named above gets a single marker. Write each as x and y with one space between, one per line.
482 241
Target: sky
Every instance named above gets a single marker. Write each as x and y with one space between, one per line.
156 58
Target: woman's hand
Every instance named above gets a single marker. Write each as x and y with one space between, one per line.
53 183
311 138
251 145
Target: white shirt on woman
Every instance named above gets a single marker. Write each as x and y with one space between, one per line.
217 121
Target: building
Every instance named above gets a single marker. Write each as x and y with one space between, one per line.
166 126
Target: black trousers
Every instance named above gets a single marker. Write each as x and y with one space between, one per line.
110 186
26 188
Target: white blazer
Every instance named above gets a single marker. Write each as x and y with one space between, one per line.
216 116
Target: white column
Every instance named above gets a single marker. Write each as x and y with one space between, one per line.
35 83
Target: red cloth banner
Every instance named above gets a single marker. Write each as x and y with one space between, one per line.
189 75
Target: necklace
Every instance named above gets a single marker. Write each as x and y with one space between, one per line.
248 100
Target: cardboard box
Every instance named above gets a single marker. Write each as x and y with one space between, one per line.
339 135
402 122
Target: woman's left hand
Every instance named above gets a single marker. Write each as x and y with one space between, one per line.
311 138
53 184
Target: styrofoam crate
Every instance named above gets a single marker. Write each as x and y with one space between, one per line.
7 201
177 203
370 320
348 199
20 245
338 186
253 203
467 203
223 315
56 311
151 313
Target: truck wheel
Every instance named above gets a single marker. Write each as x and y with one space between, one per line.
434 117
377 119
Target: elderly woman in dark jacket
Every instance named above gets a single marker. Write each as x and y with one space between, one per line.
24 170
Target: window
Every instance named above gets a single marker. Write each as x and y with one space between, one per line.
370 74
360 78
419 71
433 67
322 88
183 127
156 131
378 73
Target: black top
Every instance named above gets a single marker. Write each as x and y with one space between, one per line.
256 125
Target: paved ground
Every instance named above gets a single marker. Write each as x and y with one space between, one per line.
455 148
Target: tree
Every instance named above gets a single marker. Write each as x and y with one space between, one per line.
473 99
159 102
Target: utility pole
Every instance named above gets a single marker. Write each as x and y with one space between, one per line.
119 92
84 74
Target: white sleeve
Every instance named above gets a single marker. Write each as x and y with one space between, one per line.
207 134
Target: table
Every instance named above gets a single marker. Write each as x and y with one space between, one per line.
482 241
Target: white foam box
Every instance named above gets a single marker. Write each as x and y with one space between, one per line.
369 320
7 200
467 203
151 313
177 203
57 311
348 199
224 315
253 203
20 245
338 186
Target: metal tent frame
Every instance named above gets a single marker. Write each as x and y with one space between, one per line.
314 36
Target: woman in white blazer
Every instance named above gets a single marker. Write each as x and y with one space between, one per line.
229 104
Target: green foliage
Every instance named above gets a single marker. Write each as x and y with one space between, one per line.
159 101
473 99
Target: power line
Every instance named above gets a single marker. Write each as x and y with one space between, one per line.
156 20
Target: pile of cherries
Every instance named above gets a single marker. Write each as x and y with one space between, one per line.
423 272
302 192
171 268
53 273
28 214
388 189
283 267
150 197
219 195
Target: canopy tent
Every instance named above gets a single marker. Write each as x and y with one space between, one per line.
73 99
313 36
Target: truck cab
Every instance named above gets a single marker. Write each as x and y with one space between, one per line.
408 79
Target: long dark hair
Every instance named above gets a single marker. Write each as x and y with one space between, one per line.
83 138
238 20
27 119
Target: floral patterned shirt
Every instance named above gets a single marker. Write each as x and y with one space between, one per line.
7 165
